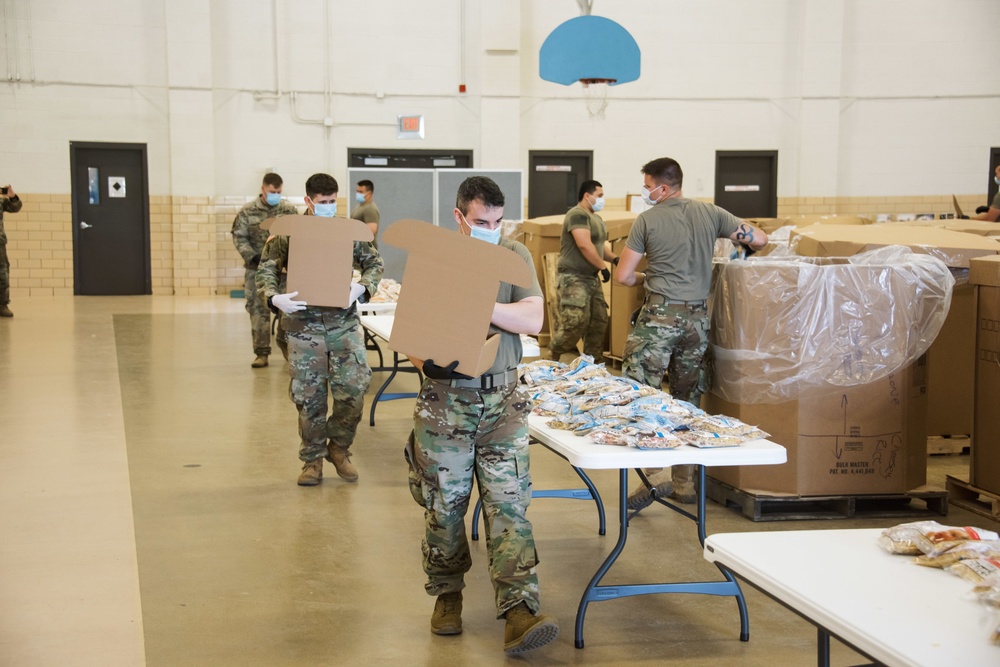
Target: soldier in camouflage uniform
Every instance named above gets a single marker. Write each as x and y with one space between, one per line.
326 347
670 336
11 203
583 249
468 429
249 238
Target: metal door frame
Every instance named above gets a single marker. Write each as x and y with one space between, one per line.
533 154
772 195
74 146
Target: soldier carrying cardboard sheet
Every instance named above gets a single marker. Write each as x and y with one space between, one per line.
472 424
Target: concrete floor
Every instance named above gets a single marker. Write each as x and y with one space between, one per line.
151 516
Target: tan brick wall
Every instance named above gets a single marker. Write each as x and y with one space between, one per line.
192 252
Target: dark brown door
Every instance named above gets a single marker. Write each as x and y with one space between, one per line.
554 180
110 219
992 188
746 183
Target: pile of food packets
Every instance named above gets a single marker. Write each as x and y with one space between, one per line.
971 553
583 397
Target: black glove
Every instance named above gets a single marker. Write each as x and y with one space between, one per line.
634 316
436 372
615 261
605 275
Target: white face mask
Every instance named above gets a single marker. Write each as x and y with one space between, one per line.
996 179
646 194
598 204
488 235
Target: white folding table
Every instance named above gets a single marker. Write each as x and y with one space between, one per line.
381 326
580 452
882 605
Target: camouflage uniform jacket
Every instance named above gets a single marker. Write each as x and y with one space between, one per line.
274 258
11 206
248 237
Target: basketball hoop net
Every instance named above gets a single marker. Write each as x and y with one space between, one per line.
595 94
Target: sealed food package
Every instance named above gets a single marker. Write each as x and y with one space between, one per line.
976 570
584 398
784 328
962 551
929 537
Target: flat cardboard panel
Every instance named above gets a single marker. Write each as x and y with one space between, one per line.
985 271
861 440
445 311
954 248
320 256
985 472
951 368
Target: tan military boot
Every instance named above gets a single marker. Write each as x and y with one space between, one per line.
447 616
312 473
642 497
340 457
525 631
260 361
5 311
683 478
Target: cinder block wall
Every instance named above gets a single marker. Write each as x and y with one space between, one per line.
192 252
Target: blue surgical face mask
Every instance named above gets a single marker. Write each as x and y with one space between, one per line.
646 192
490 236
325 210
598 204
360 197
273 198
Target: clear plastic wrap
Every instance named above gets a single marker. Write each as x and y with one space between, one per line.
785 327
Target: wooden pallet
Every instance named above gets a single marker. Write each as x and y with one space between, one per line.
792 508
948 444
972 498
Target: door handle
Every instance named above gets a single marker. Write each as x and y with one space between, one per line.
84 225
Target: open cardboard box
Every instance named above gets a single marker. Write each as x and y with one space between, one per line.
320 256
954 248
451 287
984 273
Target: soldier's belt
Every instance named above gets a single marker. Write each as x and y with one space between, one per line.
487 380
657 299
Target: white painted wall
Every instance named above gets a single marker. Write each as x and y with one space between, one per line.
860 97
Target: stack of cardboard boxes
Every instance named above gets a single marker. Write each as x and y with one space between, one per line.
870 438
984 274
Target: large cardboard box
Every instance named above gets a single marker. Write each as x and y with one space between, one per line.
861 440
624 302
985 471
789 339
542 235
951 368
954 248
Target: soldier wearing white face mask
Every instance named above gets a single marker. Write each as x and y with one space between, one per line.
583 249
992 214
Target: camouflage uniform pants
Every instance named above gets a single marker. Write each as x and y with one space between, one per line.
260 315
460 434
4 274
672 340
583 313
326 354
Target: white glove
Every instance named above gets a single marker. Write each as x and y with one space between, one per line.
285 304
356 291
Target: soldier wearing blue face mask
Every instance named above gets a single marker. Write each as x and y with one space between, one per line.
249 238
468 430
326 347
583 249
366 211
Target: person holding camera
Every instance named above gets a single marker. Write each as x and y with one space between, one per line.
10 203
